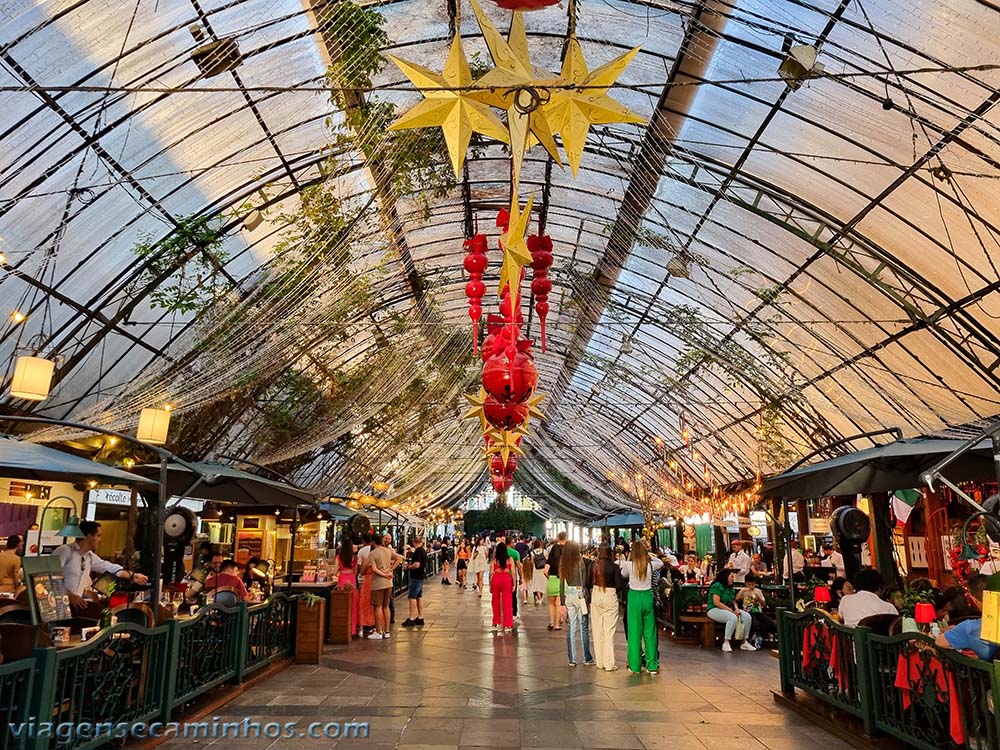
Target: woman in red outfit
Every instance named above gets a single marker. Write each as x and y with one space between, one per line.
502 589
347 573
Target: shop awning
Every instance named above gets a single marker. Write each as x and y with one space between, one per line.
23 460
227 484
884 468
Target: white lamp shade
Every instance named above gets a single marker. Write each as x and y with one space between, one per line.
153 426
32 378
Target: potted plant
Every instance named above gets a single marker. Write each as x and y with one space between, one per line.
309 616
341 603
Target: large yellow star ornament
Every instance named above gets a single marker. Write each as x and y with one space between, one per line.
449 104
509 86
515 250
476 409
571 111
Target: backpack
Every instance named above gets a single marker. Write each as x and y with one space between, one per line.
538 558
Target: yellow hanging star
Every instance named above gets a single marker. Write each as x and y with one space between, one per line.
504 443
533 410
449 104
515 250
476 402
571 111
517 86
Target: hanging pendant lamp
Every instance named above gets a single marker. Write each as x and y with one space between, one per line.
154 425
32 378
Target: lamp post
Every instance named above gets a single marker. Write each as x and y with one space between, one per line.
70 529
165 457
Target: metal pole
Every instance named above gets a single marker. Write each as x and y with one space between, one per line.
291 552
161 517
788 552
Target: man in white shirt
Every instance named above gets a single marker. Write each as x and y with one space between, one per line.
79 560
833 559
739 562
865 602
798 562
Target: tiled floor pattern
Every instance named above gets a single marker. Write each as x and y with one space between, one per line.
453 685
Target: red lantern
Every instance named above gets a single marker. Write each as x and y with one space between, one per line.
502 484
504 416
541 261
510 379
476 263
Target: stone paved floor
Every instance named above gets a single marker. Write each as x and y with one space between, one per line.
452 684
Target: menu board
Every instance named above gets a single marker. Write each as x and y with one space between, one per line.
249 544
46 589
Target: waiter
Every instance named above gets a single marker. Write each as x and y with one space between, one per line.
79 560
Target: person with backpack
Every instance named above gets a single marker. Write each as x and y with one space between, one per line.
539 582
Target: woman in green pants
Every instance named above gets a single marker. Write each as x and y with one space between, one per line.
641 618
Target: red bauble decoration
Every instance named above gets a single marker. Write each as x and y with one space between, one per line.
541 261
510 379
498 468
525 4
501 484
504 416
476 263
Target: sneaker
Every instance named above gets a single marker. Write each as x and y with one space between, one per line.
589 663
572 663
375 637
727 648
386 636
495 628
747 646
419 621
408 623
654 671
611 669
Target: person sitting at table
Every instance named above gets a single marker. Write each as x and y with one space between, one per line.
757 566
723 608
252 575
79 560
966 635
691 569
865 601
10 565
752 600
228 577
840 588
951 604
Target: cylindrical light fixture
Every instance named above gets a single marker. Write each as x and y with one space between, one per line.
153 426
32 378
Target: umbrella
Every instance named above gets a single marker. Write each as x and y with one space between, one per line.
20 459
884 468
227 484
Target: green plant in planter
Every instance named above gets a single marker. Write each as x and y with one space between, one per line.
310 599
193 256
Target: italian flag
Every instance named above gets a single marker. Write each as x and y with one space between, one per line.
902 504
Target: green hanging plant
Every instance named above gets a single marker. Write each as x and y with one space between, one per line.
193 256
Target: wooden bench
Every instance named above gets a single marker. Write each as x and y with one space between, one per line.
707 626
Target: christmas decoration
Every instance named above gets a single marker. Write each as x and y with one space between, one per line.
475 264
509 379
515 252
540 247
449 104
505 416
525 5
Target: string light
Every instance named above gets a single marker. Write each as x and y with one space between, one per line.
18 317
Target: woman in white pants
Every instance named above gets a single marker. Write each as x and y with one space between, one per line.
605 584
722 607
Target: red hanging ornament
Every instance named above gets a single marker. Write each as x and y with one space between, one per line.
510 379
501 483
504 416
540 247
475 263
525 4
498 468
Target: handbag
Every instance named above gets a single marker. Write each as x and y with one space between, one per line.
740 628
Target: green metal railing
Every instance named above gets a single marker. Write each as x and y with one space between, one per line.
130 674
901 685
933 698
825 659
270 632
16 681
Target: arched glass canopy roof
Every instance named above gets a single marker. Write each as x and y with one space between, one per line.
765 267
